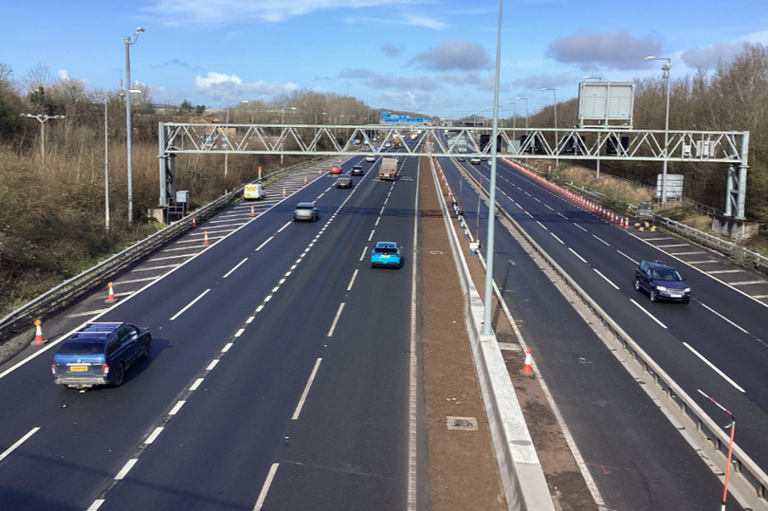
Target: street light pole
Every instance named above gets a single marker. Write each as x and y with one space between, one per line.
666 67
557 140
42 119
128 44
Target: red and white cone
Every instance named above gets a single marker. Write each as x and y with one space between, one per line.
111 295
194 224
319 172
38 333
305 179
626 223
205 238
283 192
527 370
252 213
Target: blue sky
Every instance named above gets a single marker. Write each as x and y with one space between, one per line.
435 57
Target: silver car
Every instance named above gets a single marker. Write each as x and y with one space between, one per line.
305 211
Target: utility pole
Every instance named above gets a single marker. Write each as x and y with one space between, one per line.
128 44
43 118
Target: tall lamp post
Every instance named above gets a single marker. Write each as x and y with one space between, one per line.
43 118
665 67
526 113
557 139
128 44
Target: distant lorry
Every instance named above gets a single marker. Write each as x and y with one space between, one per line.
388 169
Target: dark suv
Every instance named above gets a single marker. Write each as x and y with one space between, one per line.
99 354
662 282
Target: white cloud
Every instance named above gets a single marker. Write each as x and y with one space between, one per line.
596 50
454 54
538 82
225 87
707 58
389 81
207 12
63 74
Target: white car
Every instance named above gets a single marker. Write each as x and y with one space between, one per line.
475 161
370 158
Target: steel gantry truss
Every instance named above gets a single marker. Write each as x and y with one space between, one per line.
588 143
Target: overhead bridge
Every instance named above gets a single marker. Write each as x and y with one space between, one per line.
585 143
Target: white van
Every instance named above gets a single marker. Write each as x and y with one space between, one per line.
254 191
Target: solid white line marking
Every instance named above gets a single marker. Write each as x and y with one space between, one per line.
283 227
166 258
233 269
371 236
648 313
229 345
362 256
335 320
19 442
190 304
304 394
713 311
265 488
606 279
96 505
601 241
715 369
126 468
724 271
151 438
747 283
625 255
156 267
197 383
86 313
558 239
212 364
262 245
176 407
354 275
135 280
577 255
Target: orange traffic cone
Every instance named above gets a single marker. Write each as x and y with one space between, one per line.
38 333
527 366
205 239
283 192
252 213
111 296
626 223
319 172
305 179
194 224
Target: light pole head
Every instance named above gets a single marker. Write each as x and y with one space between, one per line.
140 29
650 57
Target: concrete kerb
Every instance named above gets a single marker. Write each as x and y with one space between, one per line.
523 481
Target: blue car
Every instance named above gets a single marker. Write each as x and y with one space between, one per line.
99 354
385 254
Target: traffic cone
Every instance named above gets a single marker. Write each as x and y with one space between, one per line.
319 172
305 179
205 239
283 192
38 333
626 223
252 213
194 224
527 366
111 295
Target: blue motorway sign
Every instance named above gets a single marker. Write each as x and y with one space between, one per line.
387 118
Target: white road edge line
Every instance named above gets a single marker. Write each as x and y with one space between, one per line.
648 313
126 468
233 269
351 282
606 279
19 442
413 362
265 488
190 304
715 369
151 438
713 311
335 320
577 255
262 245
304 394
